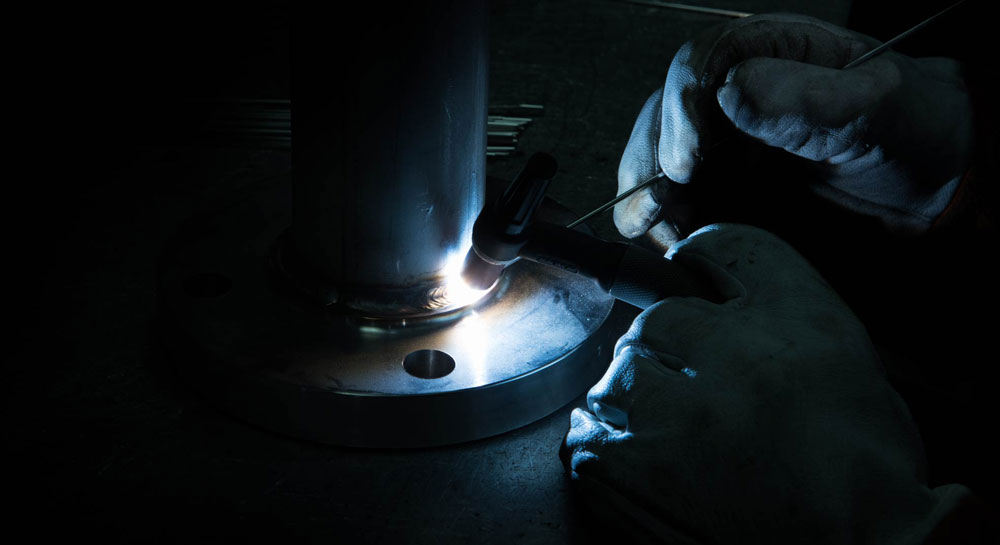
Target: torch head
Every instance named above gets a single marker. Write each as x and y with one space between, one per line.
502 228
479 273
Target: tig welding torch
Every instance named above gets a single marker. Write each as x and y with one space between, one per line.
507 231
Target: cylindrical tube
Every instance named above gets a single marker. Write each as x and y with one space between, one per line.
388 147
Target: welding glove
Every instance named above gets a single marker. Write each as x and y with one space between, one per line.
890 138
764 419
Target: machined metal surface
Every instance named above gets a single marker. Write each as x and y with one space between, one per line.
389 148
537 340
344 322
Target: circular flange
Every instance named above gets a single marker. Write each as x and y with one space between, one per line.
538 340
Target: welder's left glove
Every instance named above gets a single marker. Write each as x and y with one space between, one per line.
890 138
764 419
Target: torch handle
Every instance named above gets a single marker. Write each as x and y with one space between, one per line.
644 277
629 273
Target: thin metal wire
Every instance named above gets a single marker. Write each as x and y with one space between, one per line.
880 49
615 200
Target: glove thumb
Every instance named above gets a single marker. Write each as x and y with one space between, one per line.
811 111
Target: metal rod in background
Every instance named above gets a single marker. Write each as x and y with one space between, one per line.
688 7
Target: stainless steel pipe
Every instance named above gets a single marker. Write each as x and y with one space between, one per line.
388 148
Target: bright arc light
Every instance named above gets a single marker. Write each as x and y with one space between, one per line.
457 292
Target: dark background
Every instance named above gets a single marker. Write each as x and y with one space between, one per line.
102 438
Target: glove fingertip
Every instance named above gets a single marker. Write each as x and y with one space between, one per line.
678 144
729 98
679 161
735 97
636 214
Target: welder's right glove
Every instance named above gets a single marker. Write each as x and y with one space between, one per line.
890 138
764 419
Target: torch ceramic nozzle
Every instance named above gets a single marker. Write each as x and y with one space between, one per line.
501 228
478 273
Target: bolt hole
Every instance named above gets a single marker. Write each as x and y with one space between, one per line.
207 285
428 364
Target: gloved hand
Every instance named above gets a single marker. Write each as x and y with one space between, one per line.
891 138
765 419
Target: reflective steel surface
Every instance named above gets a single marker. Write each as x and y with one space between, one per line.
389 147
537 340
